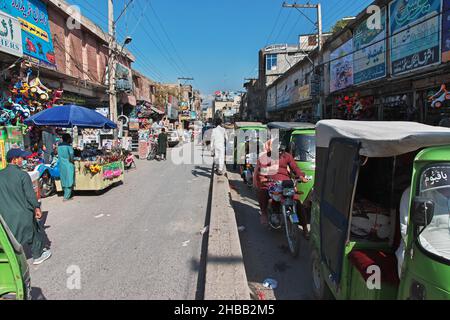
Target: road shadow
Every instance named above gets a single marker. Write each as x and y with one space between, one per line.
37 294
266 254
91 193
201 172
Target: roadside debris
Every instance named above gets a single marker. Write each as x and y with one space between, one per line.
99 216
204 230
270 284
185 244
241 229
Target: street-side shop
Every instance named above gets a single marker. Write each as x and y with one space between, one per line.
96 168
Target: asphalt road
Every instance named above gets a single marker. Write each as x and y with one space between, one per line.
266 254
139 240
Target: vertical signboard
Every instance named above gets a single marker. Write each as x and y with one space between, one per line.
36 36
10 35
446 32
415 34
369 43
341 67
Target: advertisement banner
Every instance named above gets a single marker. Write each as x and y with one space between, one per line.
370 51
341 67
415 34
446 32
303 93
10 35
36 36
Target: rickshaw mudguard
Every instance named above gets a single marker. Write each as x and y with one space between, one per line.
12 273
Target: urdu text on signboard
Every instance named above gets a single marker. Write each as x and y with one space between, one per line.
36 36
369 42
415 34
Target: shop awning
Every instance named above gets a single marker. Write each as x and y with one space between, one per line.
71 116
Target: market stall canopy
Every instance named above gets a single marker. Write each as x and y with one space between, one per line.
380 138
291 125
71 116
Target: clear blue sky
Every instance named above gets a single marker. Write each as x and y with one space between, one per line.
215 42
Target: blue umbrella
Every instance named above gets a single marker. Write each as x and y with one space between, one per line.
70 116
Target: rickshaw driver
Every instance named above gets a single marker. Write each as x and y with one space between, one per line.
267 170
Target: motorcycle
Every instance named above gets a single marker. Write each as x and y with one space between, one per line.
247 171
48 174
283 211
128 161
153 150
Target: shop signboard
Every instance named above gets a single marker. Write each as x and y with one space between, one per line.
185 115
446 32
37 40
415 34
341 67
71 98
302 93
10 35
123 78
369 61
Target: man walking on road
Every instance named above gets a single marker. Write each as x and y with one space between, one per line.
19 206
218 140
162 144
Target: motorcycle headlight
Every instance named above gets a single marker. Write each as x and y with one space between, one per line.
9 296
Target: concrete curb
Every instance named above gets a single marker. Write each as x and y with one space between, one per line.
226 278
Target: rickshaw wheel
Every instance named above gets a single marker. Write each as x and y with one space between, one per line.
320 288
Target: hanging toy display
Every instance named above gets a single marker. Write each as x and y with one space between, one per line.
26 97
439 99
355 107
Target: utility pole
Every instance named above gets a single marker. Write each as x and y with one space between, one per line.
318 24
319 27
112 66
112 60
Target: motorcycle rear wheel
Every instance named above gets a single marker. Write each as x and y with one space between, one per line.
47 185
292 234
152 155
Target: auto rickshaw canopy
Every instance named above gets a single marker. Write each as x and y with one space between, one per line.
382 138
250 125
291 125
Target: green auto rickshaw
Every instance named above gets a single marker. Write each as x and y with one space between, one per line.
14 271
244 132
380 217
300 138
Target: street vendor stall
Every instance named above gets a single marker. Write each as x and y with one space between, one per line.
95 169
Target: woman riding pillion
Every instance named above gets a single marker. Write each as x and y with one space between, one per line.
269 169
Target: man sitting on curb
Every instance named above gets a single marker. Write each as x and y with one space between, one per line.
19 206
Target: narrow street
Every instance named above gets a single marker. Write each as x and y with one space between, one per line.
139 240
265 252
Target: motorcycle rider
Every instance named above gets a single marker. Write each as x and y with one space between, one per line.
269 169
